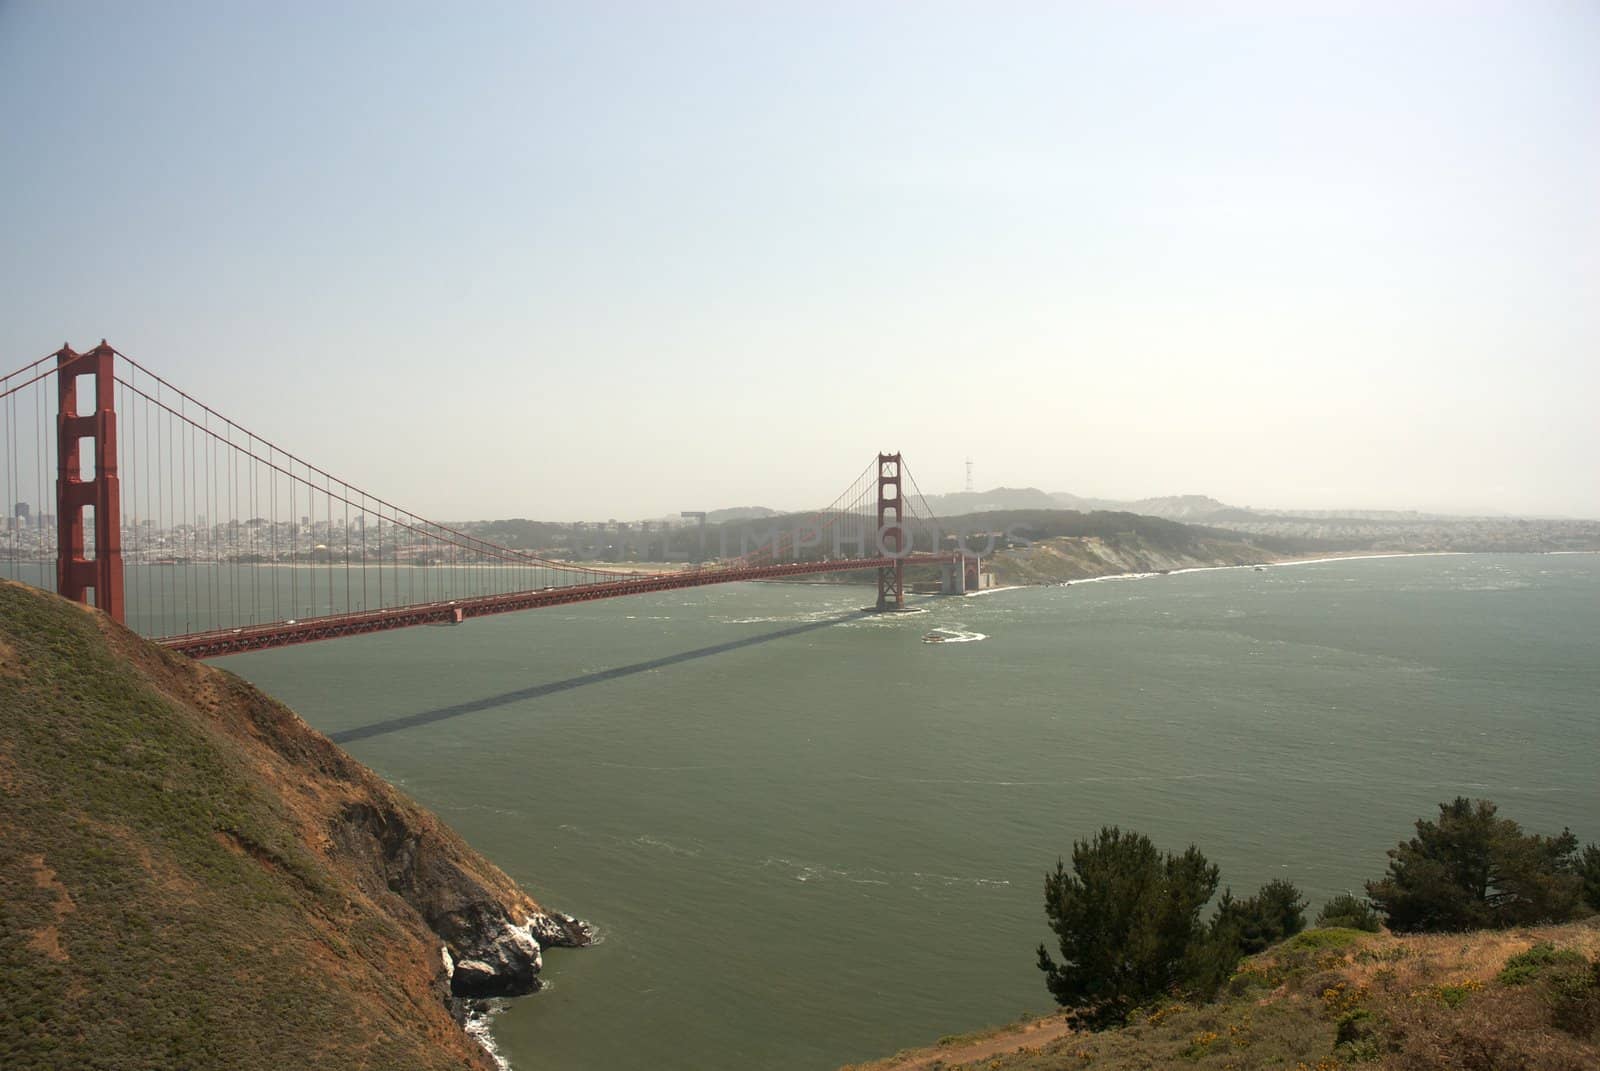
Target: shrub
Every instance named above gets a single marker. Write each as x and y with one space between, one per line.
1200 1044
1348 911
1525 967
1453 996
1573 993
1356 1036
1312 940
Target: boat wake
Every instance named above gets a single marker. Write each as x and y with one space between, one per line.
953 635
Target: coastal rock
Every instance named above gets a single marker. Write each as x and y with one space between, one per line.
555 930
505 963
476 978
472 978
475 922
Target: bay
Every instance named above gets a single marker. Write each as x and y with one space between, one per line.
808 836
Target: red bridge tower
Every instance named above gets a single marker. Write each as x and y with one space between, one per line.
891 534
76 575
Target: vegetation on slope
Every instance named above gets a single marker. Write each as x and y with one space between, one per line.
1053 546
1136 954
189 877
1333 998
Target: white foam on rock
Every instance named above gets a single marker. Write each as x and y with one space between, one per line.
528 943
477 1028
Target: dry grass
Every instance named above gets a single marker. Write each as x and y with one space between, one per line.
1425 959
10 664
977 1048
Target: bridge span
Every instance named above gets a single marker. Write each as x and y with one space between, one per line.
234 532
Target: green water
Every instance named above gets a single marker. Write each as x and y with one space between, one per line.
809 837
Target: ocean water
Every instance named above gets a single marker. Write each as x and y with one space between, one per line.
809 837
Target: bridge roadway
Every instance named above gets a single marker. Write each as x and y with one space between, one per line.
229 641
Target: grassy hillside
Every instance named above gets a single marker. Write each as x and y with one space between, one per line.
190 877
1517 1000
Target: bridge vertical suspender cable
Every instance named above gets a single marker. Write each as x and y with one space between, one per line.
234 543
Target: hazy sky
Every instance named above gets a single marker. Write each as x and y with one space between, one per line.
592 260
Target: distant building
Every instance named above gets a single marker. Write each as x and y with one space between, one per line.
21 511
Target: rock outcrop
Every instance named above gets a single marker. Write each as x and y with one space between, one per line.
494 955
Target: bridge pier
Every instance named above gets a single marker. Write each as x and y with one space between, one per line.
961 575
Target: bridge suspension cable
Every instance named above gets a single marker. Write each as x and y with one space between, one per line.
917 510
210 537
847 521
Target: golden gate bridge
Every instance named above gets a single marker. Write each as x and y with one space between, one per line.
237 544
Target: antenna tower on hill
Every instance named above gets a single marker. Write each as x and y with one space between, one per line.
970 488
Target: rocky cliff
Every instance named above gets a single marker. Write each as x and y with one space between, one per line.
1053 561
190 876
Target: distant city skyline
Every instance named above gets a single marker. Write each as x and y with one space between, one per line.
558 261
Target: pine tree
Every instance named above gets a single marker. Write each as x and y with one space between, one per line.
1255 924
1475 870
1590 869
1127 919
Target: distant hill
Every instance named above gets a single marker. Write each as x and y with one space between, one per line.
730 532
998 498
1199 508
739 513
191 877
1196 508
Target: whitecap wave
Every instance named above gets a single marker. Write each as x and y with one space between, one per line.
664 845
955 879
808 872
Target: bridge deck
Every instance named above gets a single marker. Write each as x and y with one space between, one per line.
219 642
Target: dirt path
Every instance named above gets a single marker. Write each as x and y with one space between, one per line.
1025 1035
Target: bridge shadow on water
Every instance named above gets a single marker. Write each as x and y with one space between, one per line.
538 691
